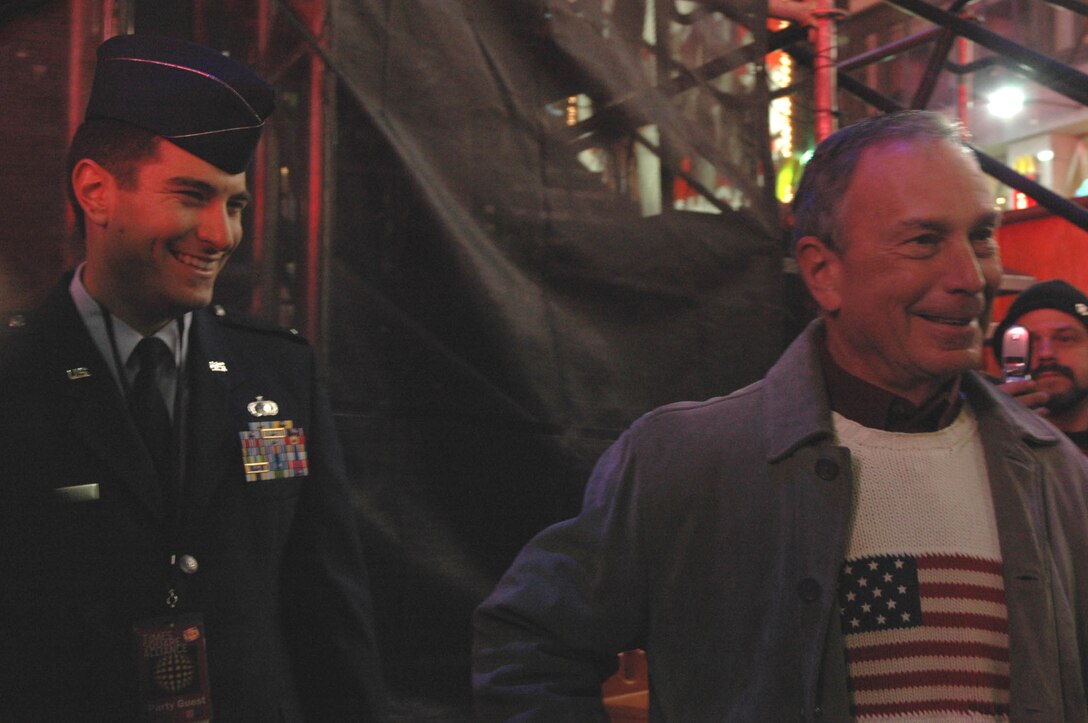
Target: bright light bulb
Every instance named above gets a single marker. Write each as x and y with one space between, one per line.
1045 155
1006 102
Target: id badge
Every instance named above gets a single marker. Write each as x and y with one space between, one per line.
172 662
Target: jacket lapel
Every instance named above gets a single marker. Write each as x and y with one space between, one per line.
212 443
1020 509
92 402
800 442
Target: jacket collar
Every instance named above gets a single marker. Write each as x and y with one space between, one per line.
1025 424
798 409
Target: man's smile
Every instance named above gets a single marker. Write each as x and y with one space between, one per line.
200 263
950 320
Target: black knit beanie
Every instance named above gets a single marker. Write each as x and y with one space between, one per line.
1054 294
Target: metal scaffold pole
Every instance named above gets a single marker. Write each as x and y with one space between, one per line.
826 19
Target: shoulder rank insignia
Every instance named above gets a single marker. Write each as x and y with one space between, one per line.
255 323
274 450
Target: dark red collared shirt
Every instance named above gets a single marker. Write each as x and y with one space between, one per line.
876 408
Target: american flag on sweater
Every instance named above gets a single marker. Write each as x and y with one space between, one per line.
926 635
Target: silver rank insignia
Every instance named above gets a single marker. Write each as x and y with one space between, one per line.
274 450
218 366
261 407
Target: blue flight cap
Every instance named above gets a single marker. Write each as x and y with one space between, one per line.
197 98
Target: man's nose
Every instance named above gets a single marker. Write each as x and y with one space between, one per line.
964 269
218 227
1043 348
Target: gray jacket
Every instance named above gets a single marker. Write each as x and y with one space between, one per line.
712 534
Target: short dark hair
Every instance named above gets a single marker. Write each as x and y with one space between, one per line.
828 174
119 147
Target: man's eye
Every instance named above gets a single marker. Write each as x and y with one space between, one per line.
924 245
985 247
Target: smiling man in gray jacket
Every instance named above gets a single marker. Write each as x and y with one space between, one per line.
870 532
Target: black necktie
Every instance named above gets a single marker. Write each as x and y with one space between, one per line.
149 409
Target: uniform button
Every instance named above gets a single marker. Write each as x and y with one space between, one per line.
188 564
827 469
809 590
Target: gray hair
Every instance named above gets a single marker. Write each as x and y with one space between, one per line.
828 174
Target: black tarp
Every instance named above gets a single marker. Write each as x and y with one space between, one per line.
505 294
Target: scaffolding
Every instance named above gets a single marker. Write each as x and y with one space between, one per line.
952 26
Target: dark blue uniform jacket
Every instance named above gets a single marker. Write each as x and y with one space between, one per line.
279 579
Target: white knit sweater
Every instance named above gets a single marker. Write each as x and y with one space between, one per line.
921 592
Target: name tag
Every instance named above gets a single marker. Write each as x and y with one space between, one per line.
77 493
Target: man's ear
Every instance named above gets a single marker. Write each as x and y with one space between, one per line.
821 269
93 187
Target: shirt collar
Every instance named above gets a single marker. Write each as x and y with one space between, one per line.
876 408
125 336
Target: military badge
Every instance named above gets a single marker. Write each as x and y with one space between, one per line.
261 407
274 450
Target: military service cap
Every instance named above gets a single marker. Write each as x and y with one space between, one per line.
195 97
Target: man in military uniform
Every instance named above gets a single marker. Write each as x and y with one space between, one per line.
176 534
